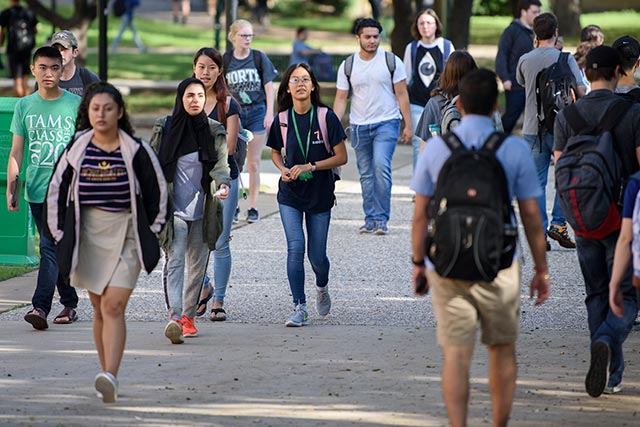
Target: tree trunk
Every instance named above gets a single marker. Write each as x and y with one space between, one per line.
568 14
84 12
403 15
458 22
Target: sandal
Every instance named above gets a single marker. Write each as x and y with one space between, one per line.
202 305
66 316
37 318
214 315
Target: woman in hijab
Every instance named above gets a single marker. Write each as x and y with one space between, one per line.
192 149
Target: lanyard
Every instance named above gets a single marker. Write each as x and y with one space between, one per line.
295 127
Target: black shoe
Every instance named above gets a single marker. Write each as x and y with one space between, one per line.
596 379
548 246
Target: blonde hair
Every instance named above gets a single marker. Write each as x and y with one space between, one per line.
235 27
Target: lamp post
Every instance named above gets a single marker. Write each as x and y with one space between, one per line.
102 39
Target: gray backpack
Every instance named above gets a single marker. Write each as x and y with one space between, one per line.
451 116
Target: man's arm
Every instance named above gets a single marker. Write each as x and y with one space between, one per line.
13 168
402 94
340 103
418 235
530 215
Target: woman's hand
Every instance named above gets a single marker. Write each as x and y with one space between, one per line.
298 170
285 175
223 192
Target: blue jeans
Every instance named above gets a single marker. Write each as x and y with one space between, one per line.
48 277
252 117
515 101
596 261
317 225
374 145
416 112
541 157
222 253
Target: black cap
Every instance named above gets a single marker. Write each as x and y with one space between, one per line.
627 47
603 57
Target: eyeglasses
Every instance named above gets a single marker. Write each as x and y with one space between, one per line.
296 80
246 36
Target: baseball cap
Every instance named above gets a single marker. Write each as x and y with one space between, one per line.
627 47
64 38
603 57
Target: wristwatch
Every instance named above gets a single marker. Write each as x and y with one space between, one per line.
313 166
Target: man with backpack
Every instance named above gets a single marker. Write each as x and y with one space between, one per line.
74 77
515 41
609 124
18 26
377 81
465 291
538 115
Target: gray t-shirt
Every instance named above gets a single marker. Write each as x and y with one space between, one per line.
432 113
188 195
529 65
243 79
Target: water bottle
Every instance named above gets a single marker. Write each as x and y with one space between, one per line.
434 129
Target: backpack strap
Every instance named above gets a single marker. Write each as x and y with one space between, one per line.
257 59
453 142
226 60
348 68
283 118
609 121
322 121
575 119
494 141
447 50
390 59
414 53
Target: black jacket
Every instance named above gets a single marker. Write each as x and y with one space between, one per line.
516 40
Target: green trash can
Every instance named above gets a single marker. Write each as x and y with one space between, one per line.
17 229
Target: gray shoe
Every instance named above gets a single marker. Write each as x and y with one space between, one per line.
107 385
323 301
299 316
367 228
253 215
173 331
381 228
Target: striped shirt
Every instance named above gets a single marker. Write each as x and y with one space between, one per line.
104 182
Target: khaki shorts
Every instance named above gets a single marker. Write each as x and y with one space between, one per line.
460 304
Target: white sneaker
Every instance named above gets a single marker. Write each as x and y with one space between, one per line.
613 390
107 385
173 331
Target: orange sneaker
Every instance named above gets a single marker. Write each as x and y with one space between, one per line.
188 327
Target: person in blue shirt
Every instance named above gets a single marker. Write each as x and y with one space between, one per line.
459 305
302 52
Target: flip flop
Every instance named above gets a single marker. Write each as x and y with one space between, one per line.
66 316
214 315
202 305
37 318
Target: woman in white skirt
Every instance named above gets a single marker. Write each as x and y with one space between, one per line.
106 203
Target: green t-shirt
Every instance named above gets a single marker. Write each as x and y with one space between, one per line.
47 128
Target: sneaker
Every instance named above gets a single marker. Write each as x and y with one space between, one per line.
596 379
236 214
367 228
188 327
613 390
173 331
381 228
37 318
561 235
107 385
323 301
253 215
299 316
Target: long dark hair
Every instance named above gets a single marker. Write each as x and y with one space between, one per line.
82 120
220 85
285 101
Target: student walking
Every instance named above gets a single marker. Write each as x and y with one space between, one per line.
127 22
307 141
42 125
249 74
600 108
515 41
18 26
74 77
193 153
461 304
379 99
109 188
424 61
222 107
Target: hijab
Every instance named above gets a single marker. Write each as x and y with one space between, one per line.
187 134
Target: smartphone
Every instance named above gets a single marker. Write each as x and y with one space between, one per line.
15 191
421 286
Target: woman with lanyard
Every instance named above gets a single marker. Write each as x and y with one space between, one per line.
424 59
305 159
220 106
192 149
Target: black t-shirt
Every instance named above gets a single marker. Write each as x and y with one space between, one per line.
426 73
314 195
7 16
234 110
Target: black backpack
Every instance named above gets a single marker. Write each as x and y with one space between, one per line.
470 235
118 8
590 176
556 88
22 32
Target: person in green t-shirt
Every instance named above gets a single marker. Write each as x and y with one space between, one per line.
42 126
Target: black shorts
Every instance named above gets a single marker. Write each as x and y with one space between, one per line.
18 64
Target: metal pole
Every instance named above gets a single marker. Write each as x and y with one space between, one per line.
220 8
53 11
231 7
103 11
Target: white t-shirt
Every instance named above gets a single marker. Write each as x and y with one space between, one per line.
372 98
